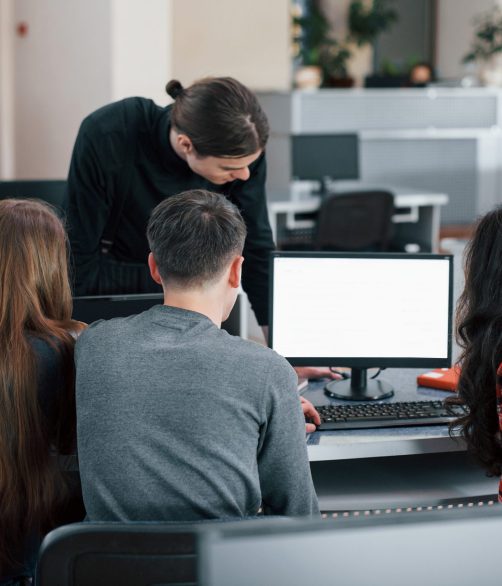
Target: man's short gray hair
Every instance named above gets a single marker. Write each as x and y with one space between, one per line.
193 236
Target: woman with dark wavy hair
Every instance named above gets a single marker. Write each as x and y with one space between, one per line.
37 404
479 332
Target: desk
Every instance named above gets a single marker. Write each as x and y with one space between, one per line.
354 469
417 215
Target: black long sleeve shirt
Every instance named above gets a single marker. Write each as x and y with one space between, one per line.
124 148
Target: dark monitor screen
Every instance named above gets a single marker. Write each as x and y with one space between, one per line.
361 310
90 308
52 191
318 156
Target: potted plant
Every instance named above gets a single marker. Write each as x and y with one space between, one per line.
366 22
322 58
486 48
335 73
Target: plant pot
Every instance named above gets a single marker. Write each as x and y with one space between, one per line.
491 71
338 82
308 77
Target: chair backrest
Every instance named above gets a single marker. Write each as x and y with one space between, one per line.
136 554
50 190
356 221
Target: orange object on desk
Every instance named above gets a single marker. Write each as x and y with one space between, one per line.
445 379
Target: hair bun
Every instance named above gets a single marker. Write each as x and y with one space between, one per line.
174 88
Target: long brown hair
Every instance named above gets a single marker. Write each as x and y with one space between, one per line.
35 302
479 332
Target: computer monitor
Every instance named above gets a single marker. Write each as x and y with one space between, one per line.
90 308
361 310
450 547
52 191
325 157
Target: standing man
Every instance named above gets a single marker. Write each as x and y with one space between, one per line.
178 420
132 154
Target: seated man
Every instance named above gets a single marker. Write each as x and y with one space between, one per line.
178 420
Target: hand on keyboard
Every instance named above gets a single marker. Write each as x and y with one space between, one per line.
311 414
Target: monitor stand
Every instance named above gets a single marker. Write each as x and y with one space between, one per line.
325 188
359 388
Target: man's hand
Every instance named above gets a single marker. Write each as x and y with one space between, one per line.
310 413
316 372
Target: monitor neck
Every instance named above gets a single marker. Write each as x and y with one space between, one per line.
325 187
359 388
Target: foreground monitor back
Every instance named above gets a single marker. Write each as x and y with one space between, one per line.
456 547
361 310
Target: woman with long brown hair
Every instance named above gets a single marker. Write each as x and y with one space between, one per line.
479 331
37 406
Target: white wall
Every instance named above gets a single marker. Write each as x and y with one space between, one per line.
249 40
77 56
455 32
62 72
6 91
141 48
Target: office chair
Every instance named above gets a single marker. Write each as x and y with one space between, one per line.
133 554
50 190
356 221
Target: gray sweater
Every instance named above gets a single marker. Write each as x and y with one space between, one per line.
178 420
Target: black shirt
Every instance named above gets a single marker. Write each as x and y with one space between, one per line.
124 148
50 377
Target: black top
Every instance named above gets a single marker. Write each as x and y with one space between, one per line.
136 131
50 378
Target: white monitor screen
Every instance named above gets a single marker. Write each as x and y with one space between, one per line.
362 309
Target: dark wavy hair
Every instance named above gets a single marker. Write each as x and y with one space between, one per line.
479 333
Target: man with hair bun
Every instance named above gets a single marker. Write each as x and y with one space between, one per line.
177 419
132 154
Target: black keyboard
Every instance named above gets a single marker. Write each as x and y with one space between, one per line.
370 415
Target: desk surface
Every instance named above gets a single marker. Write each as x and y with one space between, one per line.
375 443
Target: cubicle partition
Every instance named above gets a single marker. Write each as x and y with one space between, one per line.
438 140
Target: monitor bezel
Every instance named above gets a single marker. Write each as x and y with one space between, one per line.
373 361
